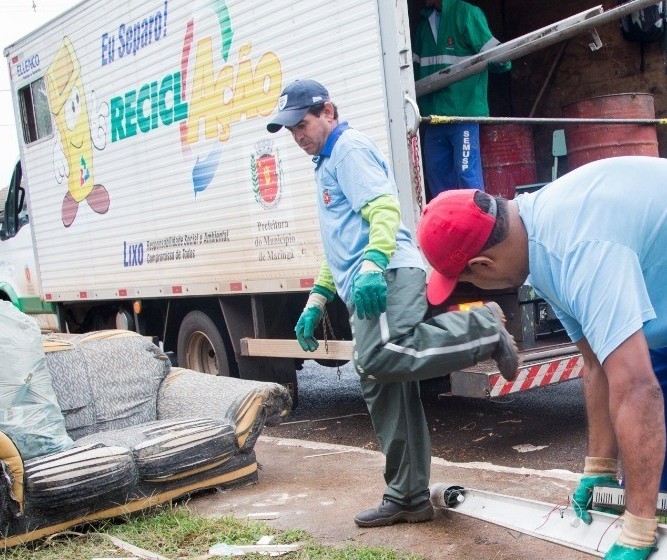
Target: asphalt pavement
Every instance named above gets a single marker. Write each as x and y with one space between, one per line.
543 428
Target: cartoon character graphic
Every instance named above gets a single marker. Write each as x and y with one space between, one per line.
67 101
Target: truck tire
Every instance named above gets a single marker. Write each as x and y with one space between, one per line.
200 345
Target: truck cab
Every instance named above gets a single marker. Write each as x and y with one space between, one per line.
18 271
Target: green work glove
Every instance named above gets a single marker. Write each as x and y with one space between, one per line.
583 495
305 328
369 291
311 317
623 552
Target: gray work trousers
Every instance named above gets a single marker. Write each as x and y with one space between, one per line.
394 352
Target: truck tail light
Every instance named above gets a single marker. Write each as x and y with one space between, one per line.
466 306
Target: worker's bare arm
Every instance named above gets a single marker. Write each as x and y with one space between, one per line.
637 415
601 436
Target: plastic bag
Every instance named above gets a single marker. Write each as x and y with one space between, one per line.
29 411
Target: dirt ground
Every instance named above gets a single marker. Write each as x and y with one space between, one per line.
319 488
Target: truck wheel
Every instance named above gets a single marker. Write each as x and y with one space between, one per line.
201 346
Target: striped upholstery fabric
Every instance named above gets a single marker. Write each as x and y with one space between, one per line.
91 475
163 449
248 406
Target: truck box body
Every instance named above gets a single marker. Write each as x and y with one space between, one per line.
161 109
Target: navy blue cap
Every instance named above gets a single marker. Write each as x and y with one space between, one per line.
294 102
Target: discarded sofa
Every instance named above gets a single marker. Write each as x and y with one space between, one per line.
143 433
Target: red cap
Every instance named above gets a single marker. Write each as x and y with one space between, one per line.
452 230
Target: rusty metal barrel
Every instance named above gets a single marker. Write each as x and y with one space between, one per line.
508 157
590 142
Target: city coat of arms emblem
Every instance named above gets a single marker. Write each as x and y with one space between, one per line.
266 174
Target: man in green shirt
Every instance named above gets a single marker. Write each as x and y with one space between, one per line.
448 32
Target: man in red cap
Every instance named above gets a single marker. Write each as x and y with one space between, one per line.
592 244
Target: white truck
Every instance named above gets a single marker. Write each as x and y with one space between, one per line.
158 202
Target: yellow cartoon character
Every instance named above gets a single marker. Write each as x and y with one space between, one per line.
67 101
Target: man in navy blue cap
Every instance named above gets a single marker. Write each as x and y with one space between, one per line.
295 101
374 265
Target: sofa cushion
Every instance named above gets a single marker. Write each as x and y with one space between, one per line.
166 449
70 370
80 478
106 380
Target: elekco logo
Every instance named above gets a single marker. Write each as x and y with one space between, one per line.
27 67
